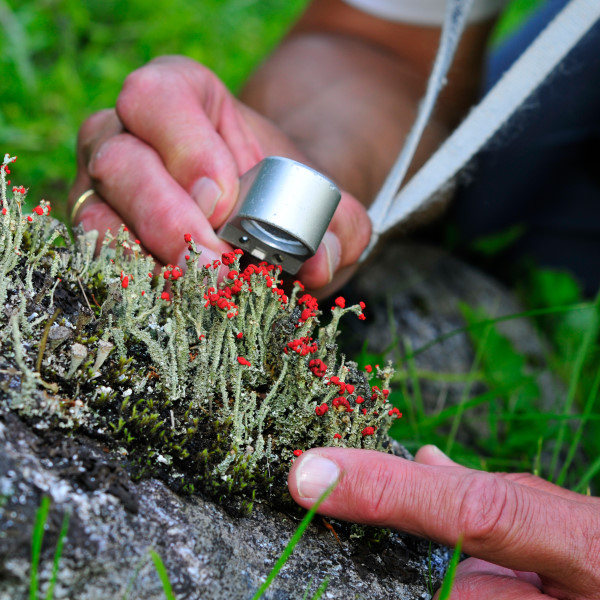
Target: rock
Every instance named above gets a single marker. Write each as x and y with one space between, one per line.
207 552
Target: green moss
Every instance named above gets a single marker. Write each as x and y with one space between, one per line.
211 385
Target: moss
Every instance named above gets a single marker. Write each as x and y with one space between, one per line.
213 385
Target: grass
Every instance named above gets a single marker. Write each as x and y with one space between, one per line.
41 517
64 59
38 535
448 582
519 431
287 551
163 575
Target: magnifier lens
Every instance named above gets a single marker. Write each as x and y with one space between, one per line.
274 237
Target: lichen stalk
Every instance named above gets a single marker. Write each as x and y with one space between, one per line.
214 384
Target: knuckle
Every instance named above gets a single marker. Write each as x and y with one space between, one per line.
89 132
109 157
523 478
487 508
146 82
92 125
375 493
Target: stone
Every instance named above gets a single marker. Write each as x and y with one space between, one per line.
208 553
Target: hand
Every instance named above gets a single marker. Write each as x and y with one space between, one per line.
167 162
529 536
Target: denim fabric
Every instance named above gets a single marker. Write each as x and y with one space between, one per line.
543 169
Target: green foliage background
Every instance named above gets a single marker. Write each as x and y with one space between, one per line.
62 60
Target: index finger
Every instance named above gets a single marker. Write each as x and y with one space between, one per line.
500 521
182 110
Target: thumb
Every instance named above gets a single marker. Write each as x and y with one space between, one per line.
432 455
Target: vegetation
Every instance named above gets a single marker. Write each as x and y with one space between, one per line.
214 386
64 59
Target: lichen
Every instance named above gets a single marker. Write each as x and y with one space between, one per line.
213 379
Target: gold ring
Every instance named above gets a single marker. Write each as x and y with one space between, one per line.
79 203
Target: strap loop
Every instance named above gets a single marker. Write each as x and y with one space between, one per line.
500 103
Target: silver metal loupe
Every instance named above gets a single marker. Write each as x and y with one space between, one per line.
283 211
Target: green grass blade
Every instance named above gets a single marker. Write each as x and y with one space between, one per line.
429 569
588 476
414 379
321 590
466 392
537 312
293 541
41 516
57 555
580 358
448 582
163 575
537 462
307 590
579 433
138 567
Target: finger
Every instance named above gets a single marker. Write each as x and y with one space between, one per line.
432 455
94 213
99 216
132 179
343 243
538 483
96 129
206 145
476 579
513 525
472 565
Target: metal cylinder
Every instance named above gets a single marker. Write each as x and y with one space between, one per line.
283 211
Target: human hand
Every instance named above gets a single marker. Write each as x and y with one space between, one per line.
167 161
529 536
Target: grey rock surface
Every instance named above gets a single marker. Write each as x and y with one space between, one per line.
208 553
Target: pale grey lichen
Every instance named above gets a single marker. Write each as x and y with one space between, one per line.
212 383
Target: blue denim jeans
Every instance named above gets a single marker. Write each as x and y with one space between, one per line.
543 169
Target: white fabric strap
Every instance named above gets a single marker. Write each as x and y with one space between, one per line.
428 13
454 24
501 102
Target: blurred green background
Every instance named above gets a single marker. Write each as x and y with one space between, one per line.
62 60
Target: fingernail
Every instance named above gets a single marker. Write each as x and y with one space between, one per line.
206 193
439 456
333 250
436 450
315 474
